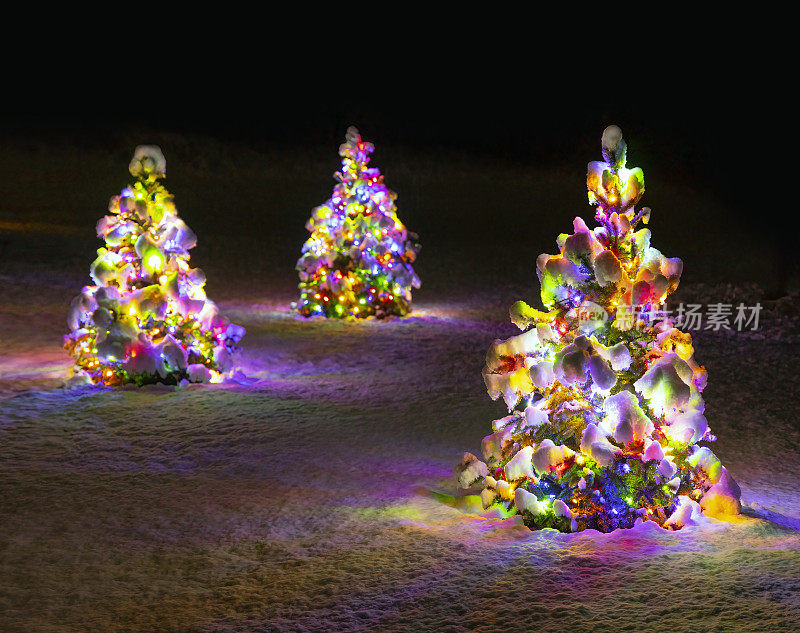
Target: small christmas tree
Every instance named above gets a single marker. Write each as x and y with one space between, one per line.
603 392
147 318
357 261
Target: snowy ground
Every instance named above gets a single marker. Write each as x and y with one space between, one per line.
319 498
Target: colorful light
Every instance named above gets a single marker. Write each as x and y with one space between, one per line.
606 420
147 319
357 245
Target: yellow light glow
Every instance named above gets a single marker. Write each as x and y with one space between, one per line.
154 262
658 399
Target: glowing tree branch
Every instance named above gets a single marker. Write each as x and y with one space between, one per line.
603 392
357 261
147 318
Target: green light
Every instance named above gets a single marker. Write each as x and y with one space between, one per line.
154 261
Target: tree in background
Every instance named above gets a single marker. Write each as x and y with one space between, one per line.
147 318
603 392
357 261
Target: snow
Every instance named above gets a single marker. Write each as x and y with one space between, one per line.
561 509
520 465
624 418
320 497
722 499
469 471
547 455
708 462
687 513
667 468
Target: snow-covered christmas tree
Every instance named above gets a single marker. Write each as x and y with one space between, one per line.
147 318
603 392
357 261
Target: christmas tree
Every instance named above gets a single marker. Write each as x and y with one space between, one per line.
147 318
603 392
357 261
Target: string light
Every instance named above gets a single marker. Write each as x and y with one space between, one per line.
146 318
604 415
357 260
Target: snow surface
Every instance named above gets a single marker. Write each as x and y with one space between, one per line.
320 497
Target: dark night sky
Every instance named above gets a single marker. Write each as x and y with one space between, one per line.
708 100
